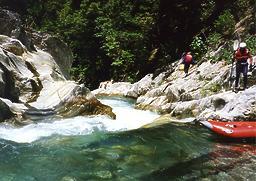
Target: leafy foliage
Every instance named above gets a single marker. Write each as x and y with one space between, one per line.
207 9
198 47
225 23
214 40
124 40
110 39
251 44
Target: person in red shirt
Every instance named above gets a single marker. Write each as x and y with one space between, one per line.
241 57
187 60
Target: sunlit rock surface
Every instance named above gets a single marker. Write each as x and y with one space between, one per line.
35 80
113 89
205 93
125 88
34 83
60 52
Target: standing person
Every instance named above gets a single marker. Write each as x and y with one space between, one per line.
241 56
187 60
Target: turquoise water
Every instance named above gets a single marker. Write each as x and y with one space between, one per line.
120 152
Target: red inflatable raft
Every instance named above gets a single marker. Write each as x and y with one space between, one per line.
232 129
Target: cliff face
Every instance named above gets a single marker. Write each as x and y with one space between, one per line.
34 69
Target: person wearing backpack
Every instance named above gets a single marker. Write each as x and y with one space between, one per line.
187 60
241 56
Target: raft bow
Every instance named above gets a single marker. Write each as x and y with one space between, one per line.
232 129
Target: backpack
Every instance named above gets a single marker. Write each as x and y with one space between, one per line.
188 58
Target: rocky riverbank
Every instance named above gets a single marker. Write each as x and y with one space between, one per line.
205 93
34 76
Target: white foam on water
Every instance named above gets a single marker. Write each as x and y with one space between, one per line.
127 118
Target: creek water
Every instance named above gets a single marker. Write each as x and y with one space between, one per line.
98 148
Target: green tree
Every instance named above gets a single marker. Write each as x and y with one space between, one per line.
124 39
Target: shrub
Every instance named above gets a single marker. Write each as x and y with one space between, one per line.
251 44
214 40
198 47
225 24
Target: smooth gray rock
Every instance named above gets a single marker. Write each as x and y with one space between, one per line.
141 87
125 88
5 112
9 87
201 95
60 52
33 86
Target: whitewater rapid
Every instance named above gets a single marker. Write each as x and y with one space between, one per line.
127 118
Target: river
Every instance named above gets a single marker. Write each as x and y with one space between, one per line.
99 148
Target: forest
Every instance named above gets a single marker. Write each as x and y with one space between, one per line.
124 40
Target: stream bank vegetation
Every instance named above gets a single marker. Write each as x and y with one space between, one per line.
124 40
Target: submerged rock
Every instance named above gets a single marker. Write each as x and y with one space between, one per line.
104 174
167 119
68 178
